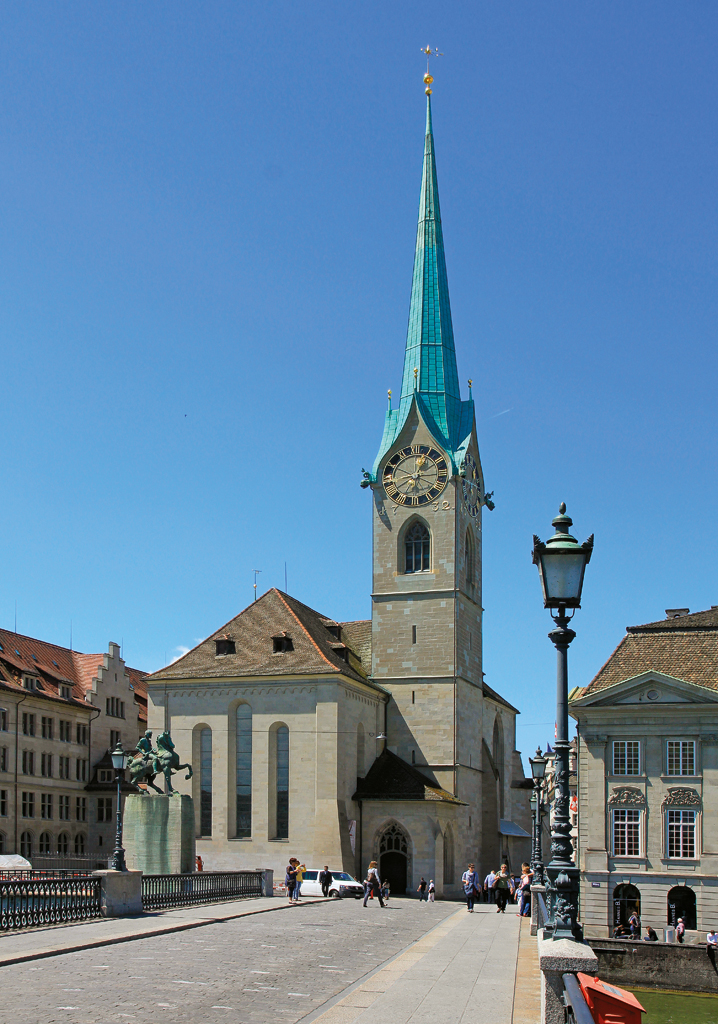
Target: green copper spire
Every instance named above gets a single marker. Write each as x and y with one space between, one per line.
430 373
430 336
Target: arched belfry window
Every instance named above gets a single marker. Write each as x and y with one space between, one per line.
417 549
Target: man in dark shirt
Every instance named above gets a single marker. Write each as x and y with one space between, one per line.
325 880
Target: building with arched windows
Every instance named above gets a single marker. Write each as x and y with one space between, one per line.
647 728
340 743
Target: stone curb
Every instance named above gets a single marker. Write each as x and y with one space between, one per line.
41 954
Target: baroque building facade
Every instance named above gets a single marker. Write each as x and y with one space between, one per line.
647 728
345 742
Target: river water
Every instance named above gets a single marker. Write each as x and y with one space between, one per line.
676 1007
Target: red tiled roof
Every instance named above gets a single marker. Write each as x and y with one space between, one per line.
685 648
54 666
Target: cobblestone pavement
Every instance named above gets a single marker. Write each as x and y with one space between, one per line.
272 967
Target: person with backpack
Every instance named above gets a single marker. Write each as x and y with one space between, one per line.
504 888
373 884
470 882
290 877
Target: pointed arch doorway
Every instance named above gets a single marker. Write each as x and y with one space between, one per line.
394 858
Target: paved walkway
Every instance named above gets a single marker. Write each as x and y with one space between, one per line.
461 972
527 990
325 961
37 943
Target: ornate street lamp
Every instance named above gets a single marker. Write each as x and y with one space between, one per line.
561 564
538 771
119 763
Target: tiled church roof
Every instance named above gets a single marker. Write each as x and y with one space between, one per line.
55 666
391 778
685 647
316 650
358 636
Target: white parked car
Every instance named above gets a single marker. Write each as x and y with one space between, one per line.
343 885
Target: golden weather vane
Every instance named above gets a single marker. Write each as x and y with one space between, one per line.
427 77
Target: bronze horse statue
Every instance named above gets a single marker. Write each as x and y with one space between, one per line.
148 763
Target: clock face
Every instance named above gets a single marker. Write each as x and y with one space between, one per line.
472 493
416 475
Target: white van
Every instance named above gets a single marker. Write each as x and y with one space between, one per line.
343 885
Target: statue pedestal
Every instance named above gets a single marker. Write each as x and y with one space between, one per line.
158 834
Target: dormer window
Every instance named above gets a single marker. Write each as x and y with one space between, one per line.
282 643
224 646
31 683
342 651
334 628
66 692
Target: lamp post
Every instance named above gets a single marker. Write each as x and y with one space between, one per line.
119 763
538 771
561 564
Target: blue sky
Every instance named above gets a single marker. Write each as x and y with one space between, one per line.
206 240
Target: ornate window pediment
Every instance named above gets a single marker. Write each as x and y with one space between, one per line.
627 796
682 797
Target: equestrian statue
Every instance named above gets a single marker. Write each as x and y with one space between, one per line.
149 762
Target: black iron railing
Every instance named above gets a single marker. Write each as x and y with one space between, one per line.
576 1007
160 891
22 874
27 903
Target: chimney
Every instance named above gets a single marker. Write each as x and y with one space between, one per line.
675 613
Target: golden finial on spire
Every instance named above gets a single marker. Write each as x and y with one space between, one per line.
428 79
416 376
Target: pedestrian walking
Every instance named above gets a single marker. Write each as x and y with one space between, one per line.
525 890
373 884
680 929
504 887
432 890
489 887
200 863
385 890
421 889
634 923
712 938
470 882
325 880
290 877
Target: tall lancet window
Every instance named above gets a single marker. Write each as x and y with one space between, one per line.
417 549
282 782
469 561
244 771
205 782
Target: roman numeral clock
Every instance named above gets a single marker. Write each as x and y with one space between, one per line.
416 475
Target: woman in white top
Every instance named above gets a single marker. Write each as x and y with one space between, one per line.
373 885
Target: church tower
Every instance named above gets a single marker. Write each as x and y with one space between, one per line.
428 492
